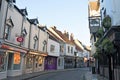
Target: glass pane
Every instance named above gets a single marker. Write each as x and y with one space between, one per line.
29 61
10 61
17 61
2 61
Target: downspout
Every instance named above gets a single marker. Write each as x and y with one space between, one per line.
22 29
5 21
47 39
38 39
29 36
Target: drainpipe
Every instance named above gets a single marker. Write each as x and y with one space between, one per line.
5 20
29 36
38 39
22 29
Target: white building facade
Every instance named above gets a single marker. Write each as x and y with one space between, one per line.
12 47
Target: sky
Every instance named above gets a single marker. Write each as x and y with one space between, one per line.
69 15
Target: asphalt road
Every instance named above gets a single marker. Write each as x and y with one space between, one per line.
77 74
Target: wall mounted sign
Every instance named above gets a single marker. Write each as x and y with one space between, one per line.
20 39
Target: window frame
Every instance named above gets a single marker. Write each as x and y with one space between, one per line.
52 48
68 49
7 33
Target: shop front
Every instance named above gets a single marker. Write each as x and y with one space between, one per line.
50 63
69 62
11 61
34 61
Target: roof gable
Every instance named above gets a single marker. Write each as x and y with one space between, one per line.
34 21
24 11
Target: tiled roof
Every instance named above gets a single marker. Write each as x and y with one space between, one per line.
64 37
88 48
51 36
55 34
78 45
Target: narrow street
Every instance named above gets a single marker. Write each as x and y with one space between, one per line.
77 74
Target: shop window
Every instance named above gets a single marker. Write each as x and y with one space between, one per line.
50 61
29 61
14 61
10 61
52 48
59 62
40 61
2 61
36 61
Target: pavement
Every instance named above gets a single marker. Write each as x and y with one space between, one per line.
87 76
90 76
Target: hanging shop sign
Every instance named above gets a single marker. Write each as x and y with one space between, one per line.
20 39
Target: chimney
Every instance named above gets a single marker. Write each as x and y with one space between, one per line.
67 35
72 37
54 27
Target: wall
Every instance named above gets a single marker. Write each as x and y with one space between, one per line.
56 50
34 31
70 54
26 25
43 36
17 21
113 10
2 17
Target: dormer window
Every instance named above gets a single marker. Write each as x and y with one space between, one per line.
44 29
11 5
34 21
24 11
12 1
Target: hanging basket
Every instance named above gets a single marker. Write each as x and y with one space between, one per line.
108 46
106 23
